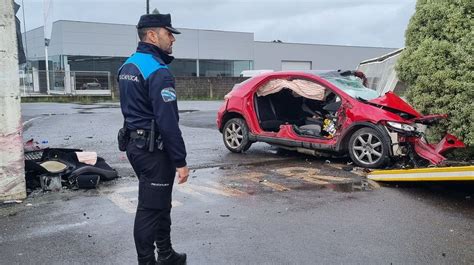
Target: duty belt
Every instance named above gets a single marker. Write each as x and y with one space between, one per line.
139 133
145 135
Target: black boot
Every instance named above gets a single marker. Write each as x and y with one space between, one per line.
167 255
171 257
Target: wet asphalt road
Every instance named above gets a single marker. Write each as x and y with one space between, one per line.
261 207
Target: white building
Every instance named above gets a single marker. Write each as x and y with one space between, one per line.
86 47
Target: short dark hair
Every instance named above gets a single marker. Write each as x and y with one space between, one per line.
142 32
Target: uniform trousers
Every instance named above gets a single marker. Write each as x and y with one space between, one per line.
156 174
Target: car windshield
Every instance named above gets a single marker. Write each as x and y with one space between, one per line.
350 84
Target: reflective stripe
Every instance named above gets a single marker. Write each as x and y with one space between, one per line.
425 174
145 63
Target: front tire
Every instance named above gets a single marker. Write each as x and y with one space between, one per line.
236 135
367 148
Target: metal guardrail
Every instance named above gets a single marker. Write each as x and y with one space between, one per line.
33 82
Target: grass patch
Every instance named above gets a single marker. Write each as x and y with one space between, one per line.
68 99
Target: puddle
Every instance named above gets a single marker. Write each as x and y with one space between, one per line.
275 177
92 107
187 111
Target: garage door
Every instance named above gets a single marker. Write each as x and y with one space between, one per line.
295 65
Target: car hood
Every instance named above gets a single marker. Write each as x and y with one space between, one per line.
392 101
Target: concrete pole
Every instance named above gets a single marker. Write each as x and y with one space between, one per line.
12 171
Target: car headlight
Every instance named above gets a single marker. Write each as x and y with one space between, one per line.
401 126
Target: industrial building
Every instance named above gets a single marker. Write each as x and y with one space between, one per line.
84 56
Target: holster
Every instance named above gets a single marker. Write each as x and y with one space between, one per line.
123 137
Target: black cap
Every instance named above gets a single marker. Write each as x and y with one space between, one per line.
157 21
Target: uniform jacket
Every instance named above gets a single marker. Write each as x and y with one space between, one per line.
147 92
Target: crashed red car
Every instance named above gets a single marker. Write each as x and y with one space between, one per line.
329 113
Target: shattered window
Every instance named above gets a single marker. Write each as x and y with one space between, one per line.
352 85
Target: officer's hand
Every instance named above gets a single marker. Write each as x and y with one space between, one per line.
183 174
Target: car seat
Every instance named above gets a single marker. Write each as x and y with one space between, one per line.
267 115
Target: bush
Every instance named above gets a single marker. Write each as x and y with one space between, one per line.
437 64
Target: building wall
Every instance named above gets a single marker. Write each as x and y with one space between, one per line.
213 45
35 41
205 87
73 38
269 55
98 39
103 39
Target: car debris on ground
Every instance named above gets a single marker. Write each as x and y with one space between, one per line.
53 169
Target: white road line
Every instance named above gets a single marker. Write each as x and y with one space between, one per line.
122 202
126 189
176 203
30 120
228 189
208 190
188 190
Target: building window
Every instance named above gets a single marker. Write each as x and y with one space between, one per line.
213 68
183 67
91 63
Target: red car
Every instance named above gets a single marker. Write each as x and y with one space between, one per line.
328 113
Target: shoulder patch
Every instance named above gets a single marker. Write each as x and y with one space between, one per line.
145 63
168 94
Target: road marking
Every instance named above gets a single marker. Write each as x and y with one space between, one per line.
122 202
126 189
188 190
129 205
176 203
208 190
232 191
30 120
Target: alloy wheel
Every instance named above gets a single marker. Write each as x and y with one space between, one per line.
368 148
234 135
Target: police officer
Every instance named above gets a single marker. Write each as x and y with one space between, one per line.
155 147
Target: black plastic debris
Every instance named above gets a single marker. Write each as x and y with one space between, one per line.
55 168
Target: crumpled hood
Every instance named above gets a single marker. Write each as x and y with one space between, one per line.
390 100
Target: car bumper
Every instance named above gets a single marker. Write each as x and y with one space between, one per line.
434 152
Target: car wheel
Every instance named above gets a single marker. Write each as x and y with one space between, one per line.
236 135
367 148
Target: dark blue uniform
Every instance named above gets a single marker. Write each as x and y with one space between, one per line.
147 92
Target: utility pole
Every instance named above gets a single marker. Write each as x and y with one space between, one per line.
12 162
148 6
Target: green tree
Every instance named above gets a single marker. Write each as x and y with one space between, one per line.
437 64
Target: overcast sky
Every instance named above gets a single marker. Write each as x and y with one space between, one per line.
380 23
